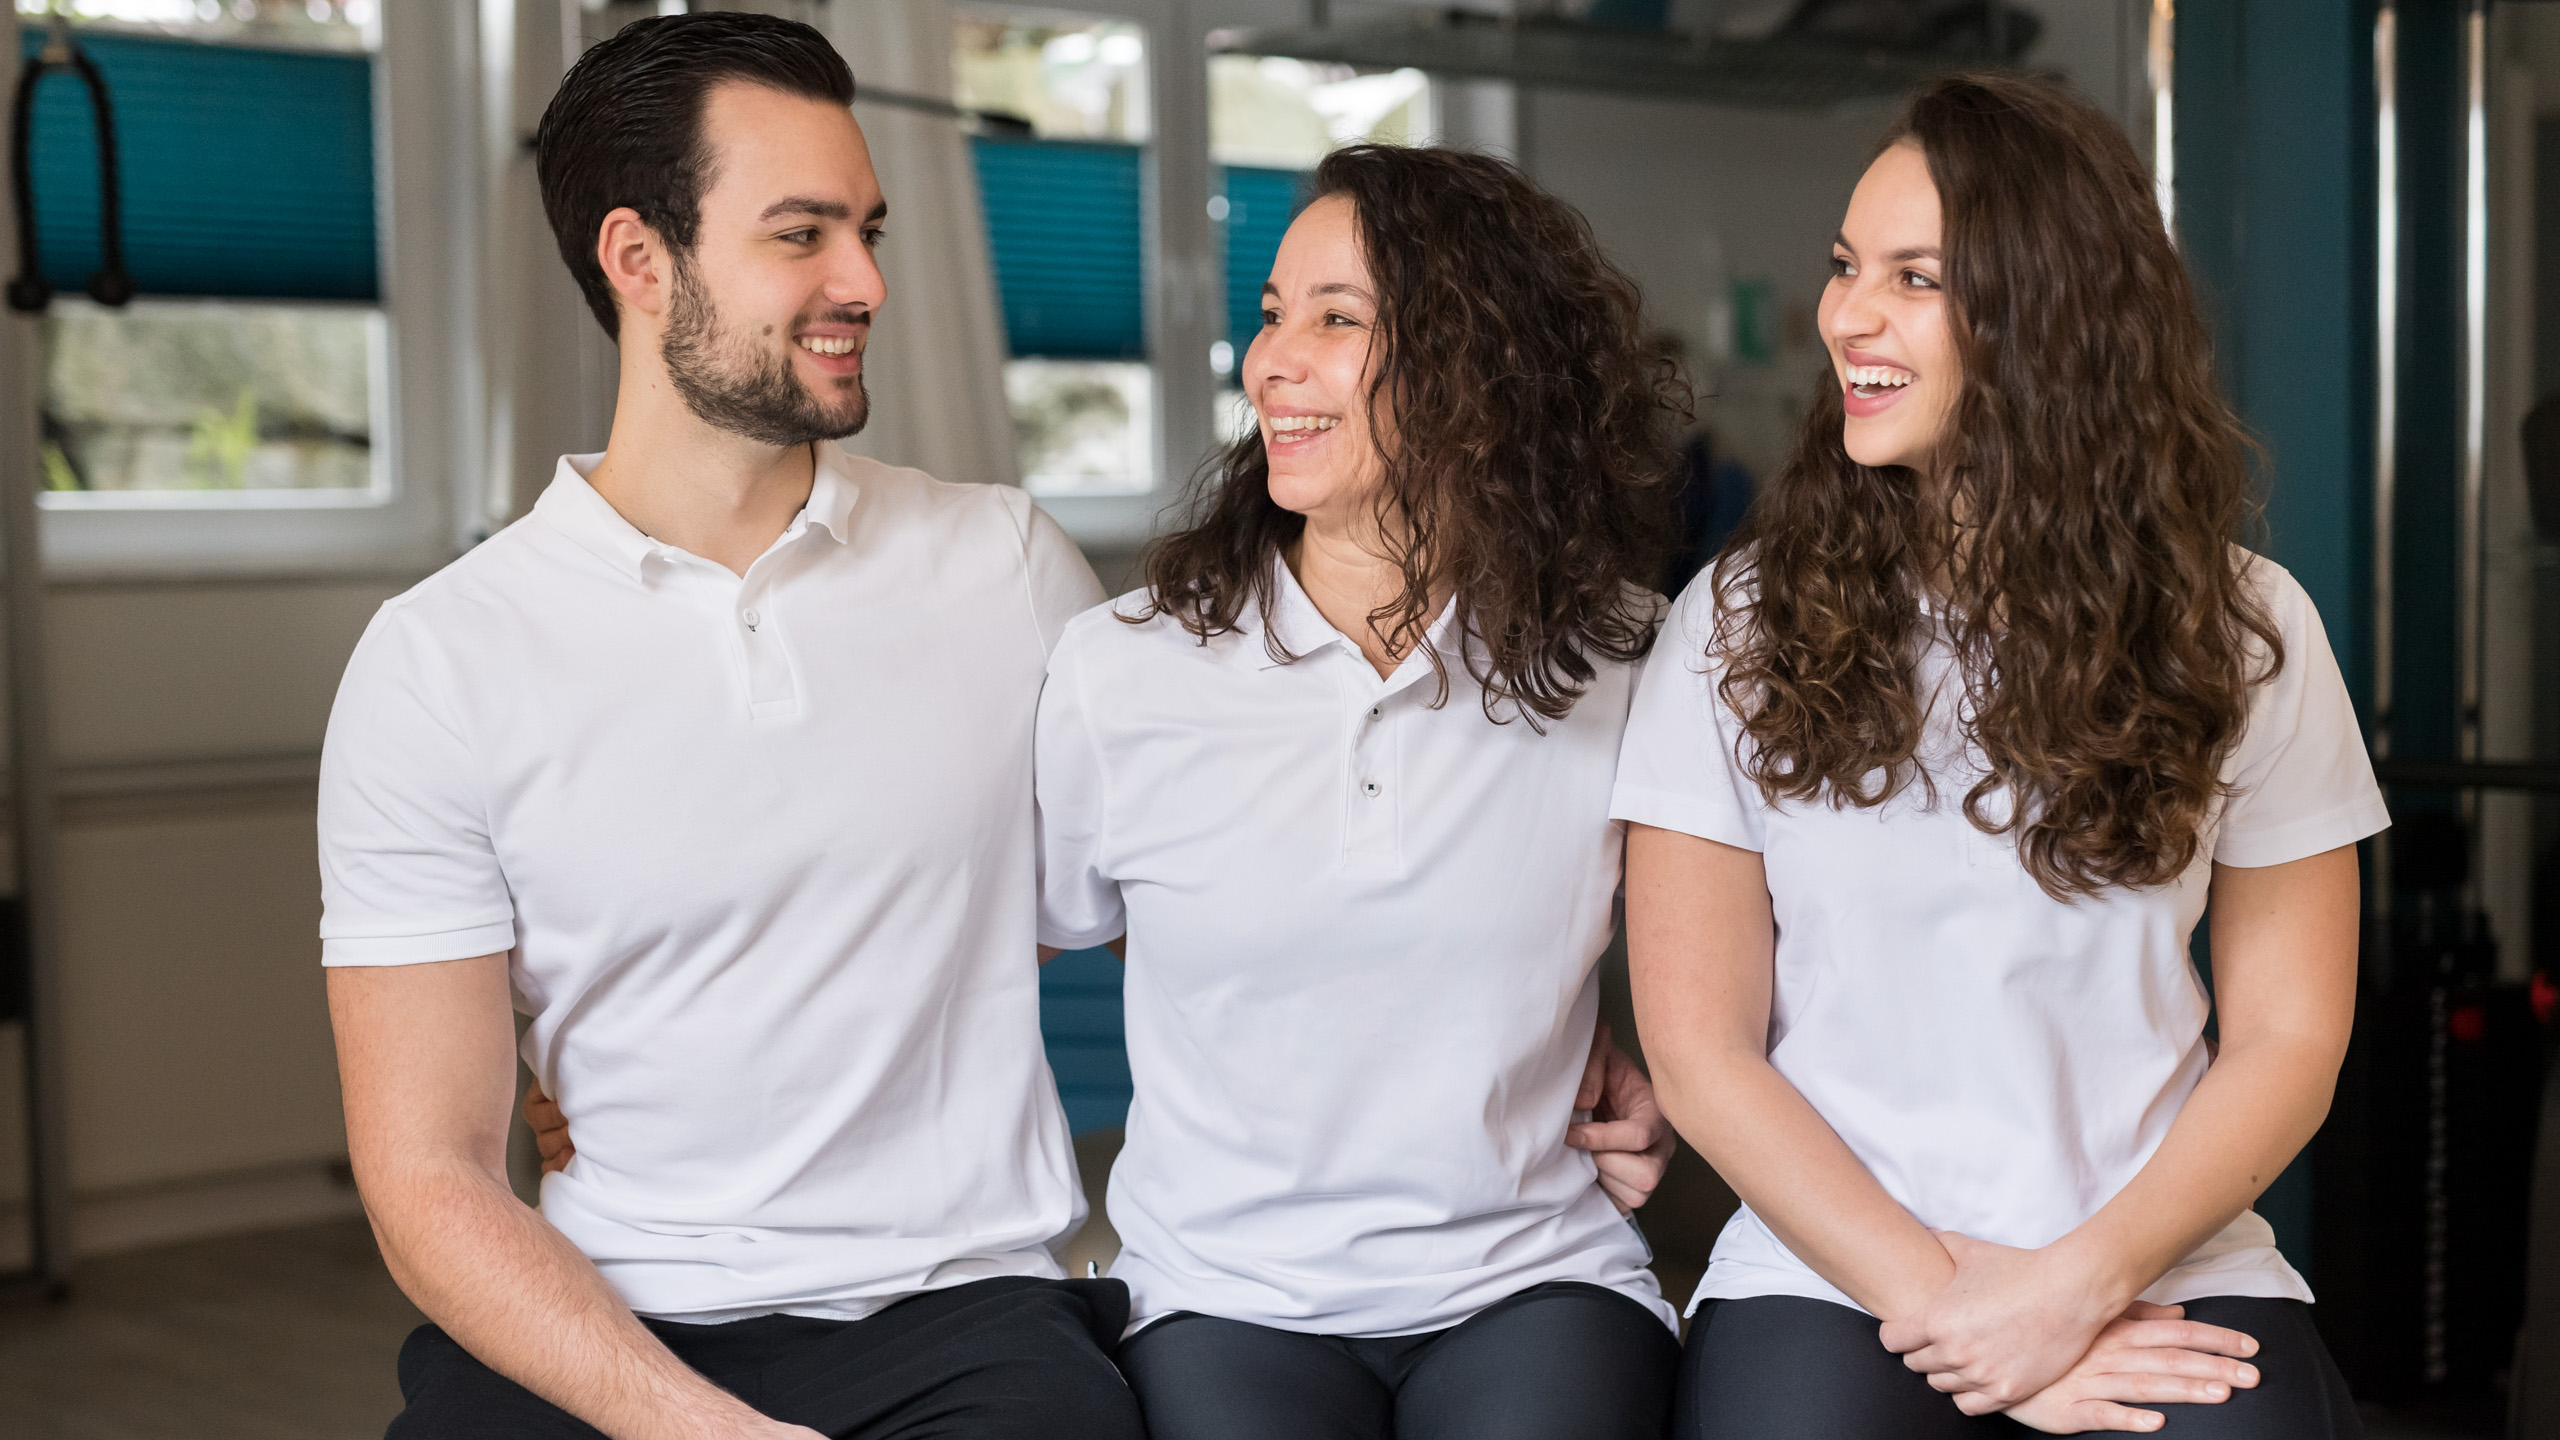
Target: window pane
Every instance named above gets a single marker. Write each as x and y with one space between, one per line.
191 403
1084 427
1072 79
1286 114
303 24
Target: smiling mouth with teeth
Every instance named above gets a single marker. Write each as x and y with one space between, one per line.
1873 380
1297 425
827 344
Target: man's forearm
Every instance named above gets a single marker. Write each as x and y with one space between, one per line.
517 1295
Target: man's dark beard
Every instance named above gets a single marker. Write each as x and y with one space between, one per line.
728 382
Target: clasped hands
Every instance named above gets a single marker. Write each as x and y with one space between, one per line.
2036 1333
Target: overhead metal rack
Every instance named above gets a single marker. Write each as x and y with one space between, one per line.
1781 72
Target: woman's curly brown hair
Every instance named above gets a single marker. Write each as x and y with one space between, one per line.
1527 453
2096 603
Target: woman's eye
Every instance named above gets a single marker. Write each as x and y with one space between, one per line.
1918 281
1336 317
1270 319
1841 269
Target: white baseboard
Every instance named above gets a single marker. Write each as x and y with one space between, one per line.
138 1217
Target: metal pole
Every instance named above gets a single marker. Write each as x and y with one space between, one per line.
2161 62
32 791
2386 401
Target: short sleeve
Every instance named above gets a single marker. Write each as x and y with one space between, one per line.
407 871
1062 584
2301 780
1079 905
1678 768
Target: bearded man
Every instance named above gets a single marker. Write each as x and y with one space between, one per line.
717 769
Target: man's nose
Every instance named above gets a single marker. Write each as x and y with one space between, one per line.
855 281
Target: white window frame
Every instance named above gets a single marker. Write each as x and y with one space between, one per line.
1185 310
428 433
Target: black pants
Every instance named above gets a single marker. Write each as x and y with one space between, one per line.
1784 1368
1562 1361
990 1360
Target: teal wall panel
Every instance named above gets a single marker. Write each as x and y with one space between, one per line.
2274 177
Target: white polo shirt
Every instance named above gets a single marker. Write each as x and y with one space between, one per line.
1361 987
2002 1062
763 851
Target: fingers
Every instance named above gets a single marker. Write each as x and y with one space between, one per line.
2194 1365
2145 1310
1630 1179
1902 1336
1974 1402
1625 1137
1595 1070
2151 1388
2090 1415
2178 1335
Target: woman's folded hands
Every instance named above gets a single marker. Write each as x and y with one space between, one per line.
2047 1336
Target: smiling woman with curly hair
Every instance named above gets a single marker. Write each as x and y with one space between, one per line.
1928 788
1341 773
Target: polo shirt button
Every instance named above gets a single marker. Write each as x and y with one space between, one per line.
1369 788
750 618
1374 712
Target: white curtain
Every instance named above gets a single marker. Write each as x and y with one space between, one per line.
935 367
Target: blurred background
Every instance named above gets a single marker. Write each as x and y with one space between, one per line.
320 343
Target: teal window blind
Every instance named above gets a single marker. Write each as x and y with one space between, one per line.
1260 205
246 173
1082 1029
1068 239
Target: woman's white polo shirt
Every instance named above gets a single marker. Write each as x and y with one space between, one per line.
1361 969
762 848
2002 1062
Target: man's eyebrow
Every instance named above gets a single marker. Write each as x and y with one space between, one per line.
814 208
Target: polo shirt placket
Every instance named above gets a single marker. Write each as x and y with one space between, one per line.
751 612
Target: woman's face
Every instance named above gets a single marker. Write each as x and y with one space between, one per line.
1884 316
1307 370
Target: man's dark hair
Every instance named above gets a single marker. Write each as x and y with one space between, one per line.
626 127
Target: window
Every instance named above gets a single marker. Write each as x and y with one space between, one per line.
1066 230
246 172
210 403
1271 120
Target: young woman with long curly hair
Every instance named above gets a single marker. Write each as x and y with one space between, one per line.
1341 772
1928 785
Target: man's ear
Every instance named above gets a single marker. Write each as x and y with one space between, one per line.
635 260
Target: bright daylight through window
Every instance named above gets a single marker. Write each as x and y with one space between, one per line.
238 401
1271 120
1081 392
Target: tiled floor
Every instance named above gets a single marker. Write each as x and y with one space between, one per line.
290 1336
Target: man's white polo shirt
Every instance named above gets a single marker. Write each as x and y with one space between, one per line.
762 849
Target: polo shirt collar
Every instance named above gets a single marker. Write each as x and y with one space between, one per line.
1302 629
571 506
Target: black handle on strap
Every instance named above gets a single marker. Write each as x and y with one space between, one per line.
110 285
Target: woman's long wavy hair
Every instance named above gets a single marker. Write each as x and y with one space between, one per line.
2096 601
1523 426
